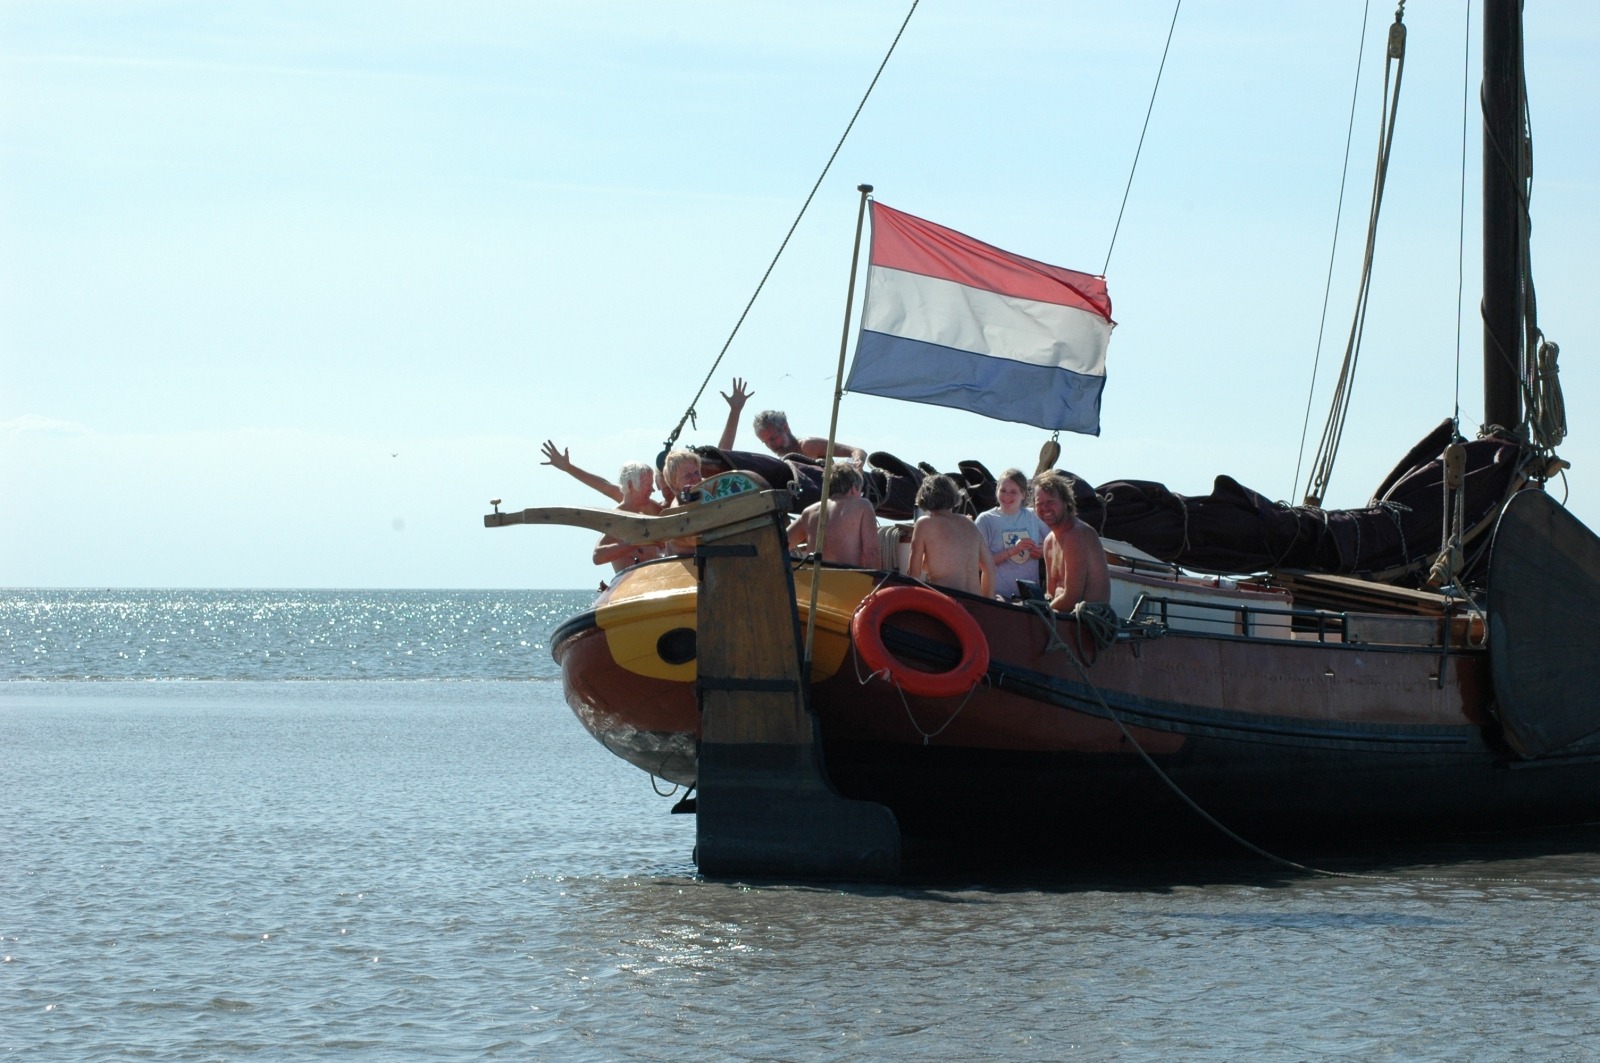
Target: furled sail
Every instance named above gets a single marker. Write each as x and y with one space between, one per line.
1231 530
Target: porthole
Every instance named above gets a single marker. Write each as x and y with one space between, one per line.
676 646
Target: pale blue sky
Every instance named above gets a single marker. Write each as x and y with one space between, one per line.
289 291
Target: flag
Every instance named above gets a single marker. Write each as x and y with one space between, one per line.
952 321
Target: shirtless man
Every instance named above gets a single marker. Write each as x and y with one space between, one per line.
637 479
558 458
852 525
772 427
1074 559
946 548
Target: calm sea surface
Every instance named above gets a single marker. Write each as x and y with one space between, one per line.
363 825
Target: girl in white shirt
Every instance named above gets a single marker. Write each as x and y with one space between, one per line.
1014 534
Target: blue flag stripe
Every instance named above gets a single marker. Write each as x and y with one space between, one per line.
1043 396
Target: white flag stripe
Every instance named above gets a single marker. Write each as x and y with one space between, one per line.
932 310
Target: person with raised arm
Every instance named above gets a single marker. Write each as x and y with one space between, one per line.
735 402
561 458
637 481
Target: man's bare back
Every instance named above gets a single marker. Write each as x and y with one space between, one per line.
852 536
949 551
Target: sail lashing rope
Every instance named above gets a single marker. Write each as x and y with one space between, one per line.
1544 410
1451 557
1333 432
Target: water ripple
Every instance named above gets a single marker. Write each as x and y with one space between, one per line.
273 635
456 871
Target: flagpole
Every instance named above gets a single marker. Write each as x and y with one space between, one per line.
833 427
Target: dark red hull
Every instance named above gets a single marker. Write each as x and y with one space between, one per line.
1297 736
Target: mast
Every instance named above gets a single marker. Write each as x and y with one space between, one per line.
1505 165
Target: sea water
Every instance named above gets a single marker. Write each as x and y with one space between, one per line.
363 825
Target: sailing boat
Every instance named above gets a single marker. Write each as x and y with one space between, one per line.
1322 696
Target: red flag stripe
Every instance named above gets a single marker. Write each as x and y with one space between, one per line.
906 242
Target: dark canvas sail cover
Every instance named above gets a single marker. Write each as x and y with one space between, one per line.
1231 530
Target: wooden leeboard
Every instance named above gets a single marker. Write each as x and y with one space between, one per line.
1544 625
764 805
748 630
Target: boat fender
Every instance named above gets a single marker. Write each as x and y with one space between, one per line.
866 628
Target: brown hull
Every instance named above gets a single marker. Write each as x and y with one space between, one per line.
1276 735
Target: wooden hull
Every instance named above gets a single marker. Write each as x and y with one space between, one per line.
1296 736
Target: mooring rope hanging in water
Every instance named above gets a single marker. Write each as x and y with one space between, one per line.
1047 616
690 412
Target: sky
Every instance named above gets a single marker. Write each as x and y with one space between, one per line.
290 291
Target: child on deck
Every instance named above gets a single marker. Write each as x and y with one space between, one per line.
852 524
946 548
1014 534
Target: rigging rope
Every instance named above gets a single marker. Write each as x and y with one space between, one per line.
1461 210
1333 251
1451 561
1143 129
1449 564
1328 449
690 412
1544 408
1547 410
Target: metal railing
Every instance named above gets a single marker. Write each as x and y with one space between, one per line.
1237 620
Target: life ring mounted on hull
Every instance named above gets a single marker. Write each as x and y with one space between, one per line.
866 629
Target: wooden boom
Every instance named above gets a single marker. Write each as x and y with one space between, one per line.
637 529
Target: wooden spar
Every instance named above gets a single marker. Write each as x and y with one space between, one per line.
833 422
1504 213
637 529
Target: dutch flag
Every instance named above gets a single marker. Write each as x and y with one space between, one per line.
953 321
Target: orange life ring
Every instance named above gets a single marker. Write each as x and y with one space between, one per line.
867 630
